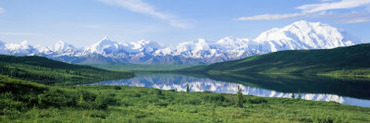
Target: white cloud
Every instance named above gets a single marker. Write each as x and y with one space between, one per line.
355 20
325 0
140 6
321 10
270 17
18 34
2 10
344 4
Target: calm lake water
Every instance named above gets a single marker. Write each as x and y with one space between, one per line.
347 92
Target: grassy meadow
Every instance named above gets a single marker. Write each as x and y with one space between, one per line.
24 101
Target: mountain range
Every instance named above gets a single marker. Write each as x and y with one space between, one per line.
298 35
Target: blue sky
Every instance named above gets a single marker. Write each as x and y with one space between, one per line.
84 22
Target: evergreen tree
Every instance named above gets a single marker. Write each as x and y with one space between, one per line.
99 101
81 101
240 97
187 88
299 94
293 96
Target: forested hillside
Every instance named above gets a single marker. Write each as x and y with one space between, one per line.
47 71
352 60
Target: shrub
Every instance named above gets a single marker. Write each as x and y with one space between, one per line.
257 100
98 114
10 106
99 101
57 98
117 88
192 101
87 96
102 101
215 98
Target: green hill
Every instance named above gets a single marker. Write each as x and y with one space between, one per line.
353 60
47 71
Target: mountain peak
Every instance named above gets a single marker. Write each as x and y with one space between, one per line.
106 38
24 43
228 39
146 45
146 42
61 44
201 40
43 49
105 41
103 46
306 35
22 48
63 47
302 22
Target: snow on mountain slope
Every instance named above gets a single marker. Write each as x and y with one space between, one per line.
303 35
298 35
109 47
104 47
22 48
146 46
64 49
232 43
43 49
195 49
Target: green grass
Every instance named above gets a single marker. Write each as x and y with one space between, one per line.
343 61
349 74
24 101
47 71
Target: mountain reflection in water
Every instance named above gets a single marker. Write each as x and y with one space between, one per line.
311 88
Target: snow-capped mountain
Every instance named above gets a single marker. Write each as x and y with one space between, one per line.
22 48
298 35
64 48
104 47
304 35
43 49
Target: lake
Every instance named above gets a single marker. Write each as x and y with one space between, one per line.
348 92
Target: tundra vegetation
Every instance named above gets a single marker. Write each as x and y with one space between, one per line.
36 89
